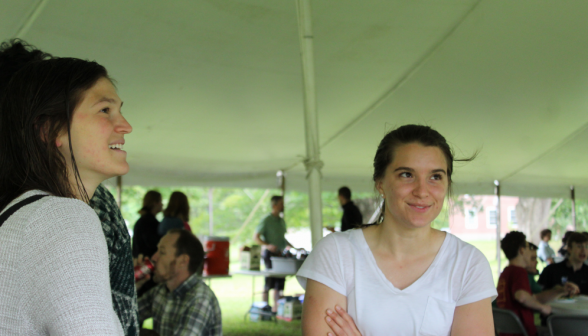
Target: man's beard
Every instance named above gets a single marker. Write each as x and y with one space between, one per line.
158 278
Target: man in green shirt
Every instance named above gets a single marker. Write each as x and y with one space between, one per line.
271 235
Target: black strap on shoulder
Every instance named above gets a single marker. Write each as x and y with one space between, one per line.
17 206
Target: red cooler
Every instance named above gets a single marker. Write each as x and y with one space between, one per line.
216 261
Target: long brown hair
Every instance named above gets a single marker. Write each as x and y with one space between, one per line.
36 107
178 206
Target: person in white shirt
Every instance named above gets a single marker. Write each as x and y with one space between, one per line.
545 252
399 276
61 135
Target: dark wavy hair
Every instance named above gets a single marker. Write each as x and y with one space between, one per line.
36 106
14 55
178 206
512 242
405 135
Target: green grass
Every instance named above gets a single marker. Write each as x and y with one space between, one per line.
234 296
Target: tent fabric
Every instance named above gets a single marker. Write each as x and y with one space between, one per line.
213 88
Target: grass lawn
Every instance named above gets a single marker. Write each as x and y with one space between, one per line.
234 295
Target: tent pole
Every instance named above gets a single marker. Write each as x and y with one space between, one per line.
313 161
119 191
573 194
282 185
210 218
31 19
498 235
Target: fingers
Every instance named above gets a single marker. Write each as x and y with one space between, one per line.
335 327
341 323
345 316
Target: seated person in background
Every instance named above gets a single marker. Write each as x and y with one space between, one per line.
571 269
563 250
545 296
514 291
532 269
352 217
545 252
181 304
176 214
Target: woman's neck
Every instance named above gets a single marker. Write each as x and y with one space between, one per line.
399 241
87 182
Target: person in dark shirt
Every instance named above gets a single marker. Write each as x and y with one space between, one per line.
352 217
545 296
572 269
145 232
563 250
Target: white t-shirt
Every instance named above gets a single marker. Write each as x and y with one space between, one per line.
459 274
54 277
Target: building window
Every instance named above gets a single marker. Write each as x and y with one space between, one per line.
471 218
512 217
492 218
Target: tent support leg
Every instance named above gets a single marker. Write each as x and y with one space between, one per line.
498 235
313 161
210 209
573 195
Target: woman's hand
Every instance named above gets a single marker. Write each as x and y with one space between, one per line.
341 323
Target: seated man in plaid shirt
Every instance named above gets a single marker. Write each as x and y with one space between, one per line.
181 303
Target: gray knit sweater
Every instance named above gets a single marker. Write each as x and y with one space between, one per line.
54 277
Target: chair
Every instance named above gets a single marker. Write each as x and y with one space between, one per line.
505 321
567 325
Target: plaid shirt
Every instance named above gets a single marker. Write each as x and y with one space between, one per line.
191 309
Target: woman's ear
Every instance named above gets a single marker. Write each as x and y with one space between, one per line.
379 187
58 143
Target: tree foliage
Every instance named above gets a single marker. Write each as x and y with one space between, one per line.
562 216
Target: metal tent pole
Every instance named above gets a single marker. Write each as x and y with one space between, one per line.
498 235
573 194
210 218
313 161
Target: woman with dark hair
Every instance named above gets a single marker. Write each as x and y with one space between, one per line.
145 232
176 214
61 135
145 236
399 275
14 55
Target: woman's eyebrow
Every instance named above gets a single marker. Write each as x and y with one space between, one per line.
404 168
106 99
438 170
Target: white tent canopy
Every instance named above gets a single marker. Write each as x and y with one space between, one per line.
213 88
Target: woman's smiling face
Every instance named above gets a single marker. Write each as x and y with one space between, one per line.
415 185
97 134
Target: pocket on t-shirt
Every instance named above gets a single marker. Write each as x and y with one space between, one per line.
438 317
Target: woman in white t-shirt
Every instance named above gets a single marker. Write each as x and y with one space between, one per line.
399 276
61 135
